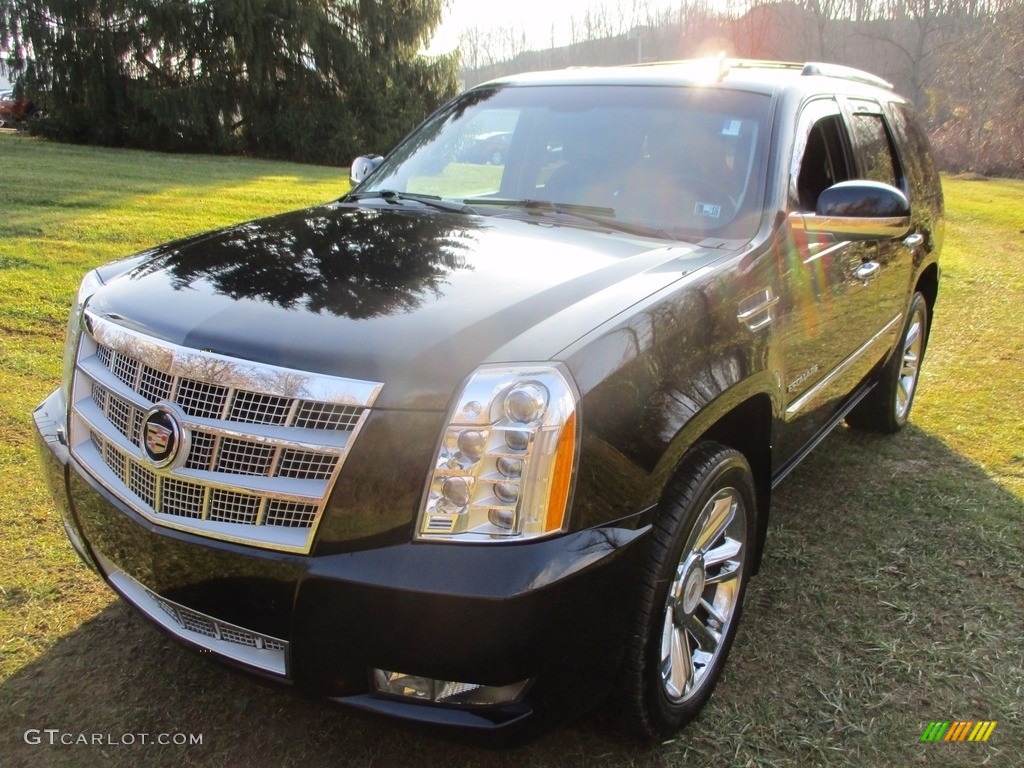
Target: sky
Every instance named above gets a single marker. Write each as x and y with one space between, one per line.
533 17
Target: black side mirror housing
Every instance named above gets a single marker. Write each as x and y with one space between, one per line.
862 199
858 210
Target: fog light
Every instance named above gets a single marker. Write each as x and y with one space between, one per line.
445 691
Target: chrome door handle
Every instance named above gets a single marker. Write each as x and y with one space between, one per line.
915 240
867 270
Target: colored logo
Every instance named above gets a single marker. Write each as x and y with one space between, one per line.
163 438
959 730
157 438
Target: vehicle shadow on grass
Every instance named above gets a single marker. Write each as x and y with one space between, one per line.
891 595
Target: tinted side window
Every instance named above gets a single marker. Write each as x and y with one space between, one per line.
917 157
820 154
823 164
874 149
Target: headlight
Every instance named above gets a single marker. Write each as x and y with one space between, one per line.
90 284
504 469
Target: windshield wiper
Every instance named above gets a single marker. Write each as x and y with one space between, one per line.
593 213
545 206
394 197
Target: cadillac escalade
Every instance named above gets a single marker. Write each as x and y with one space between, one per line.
494 436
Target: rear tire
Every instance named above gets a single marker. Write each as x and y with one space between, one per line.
887 407
692 591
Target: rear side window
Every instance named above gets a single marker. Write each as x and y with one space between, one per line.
874 149
917 156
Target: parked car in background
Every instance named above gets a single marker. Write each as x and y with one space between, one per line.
479 446
15 112
488 148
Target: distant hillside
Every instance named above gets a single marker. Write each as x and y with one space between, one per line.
962 62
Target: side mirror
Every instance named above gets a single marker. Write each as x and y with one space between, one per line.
363 166
858 210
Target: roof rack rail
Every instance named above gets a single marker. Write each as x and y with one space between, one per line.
813 68
810 69
761 64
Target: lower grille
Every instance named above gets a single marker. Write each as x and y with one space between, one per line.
260 446
253 648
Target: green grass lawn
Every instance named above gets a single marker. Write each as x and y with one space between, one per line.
892 592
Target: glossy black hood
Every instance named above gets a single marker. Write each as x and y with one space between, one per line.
410 297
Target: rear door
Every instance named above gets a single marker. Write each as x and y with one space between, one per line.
877 160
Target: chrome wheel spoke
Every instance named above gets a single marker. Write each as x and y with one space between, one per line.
668 628
722 511
676 661
729 573
681 665
714 613
728 550
913 335
706 638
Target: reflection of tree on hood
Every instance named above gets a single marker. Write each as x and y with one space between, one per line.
353 263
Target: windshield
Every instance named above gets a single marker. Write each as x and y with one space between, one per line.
686 162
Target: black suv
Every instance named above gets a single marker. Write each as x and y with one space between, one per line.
478 444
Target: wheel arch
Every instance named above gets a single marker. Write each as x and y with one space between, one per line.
745 427
928 285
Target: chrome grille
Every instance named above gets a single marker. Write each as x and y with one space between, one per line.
199 399
155 385
306 464
232 507
253 408
181 498
142 481
266 443
326 416
201 455
290 514
242 457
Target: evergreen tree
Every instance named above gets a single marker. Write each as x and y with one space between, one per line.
315 80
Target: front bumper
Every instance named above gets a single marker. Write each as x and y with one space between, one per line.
556 612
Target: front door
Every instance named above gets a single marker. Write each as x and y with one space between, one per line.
830 310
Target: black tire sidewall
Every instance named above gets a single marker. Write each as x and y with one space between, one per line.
723 468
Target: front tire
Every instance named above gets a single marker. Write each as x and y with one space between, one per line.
692 591
887 407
